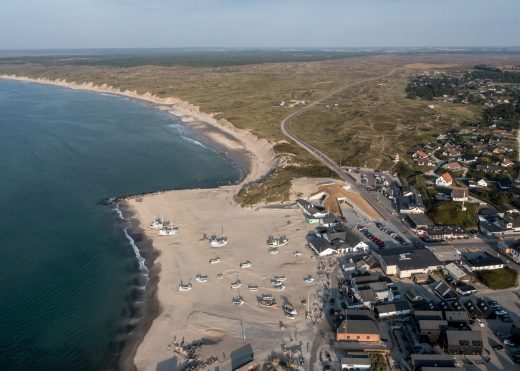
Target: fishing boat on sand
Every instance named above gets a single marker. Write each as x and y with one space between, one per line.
297 253
218 241
267 301
185 286
214 260
237 301
158 223
277 241
169 230
246 264
279 278
236 284
309 279
220 276
253 288
201 278
289 311
273 250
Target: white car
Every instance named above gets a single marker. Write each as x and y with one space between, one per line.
479 322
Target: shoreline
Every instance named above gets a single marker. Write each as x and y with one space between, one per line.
252 156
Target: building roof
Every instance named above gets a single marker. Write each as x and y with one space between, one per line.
367 294
409 259
484 260
428 324
454 270
358 326
419 220
459 193
444 291
428 315
433 368
359 314
447 177
457 337
395 306
445 253
456 316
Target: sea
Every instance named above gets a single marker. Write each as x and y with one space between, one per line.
69 268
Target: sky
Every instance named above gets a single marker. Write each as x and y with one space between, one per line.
44 24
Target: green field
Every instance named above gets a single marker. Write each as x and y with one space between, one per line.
450 213
498 279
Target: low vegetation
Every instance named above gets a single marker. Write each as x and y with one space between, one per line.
498 279
378 362
450 213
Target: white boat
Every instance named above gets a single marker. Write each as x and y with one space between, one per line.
267 303
237 301
280 287
218 241
297 253
309 279
273 250
169 231
289 311
185 286
253 288
268 297
201 278
158 224
236 284
220 276
277 241
276 283
246 264
279 278
214 260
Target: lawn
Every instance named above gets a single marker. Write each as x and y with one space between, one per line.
450 213
499 278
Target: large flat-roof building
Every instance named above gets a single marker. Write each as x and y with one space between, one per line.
463 342
403 262
359 326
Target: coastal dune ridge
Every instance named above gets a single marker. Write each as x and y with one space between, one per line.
206 312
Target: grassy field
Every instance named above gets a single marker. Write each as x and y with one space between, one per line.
450 213
362 126
498 279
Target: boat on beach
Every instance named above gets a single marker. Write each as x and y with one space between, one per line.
214 260
158 223
246 264
289 311
309 279
218 241
278 285
277 241
237 301
252 288
273 250
201 278
185 286
169 230
220 276
297 253
267 301
236 284
279 278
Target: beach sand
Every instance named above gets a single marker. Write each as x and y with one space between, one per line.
206 312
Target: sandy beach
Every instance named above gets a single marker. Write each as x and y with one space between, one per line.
206 311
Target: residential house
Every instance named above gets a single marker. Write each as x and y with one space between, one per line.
397 308
495 224
489 168
482 183
457 318
506 163
445 180
510 249
410 201
418 155
428 315
454 152
445 292
463 342
456 272
359 326
452 166
432 329
468 159
403 262
371 288
320 246
313 213
439 361
482 262
356 361
459 194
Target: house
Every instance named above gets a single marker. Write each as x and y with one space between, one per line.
420 155
403 262
420 278
452 166
432 329
445 180
442 232
482 183
439 361
506 162
463 342
442 290
468 159
457 318
464 290
410 201
456 272
418 220
352 244
359 326
489 168
492 223
454 152
425 162
459 194
510 249
356 361
397 308
482 262
371 288
428 314
313 213
320 246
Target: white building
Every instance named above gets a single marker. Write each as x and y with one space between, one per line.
445 180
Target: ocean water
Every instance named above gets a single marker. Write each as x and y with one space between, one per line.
67 268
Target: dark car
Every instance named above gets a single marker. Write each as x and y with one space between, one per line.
497 347
343 305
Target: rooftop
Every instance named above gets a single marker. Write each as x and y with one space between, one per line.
428 324
407 258
484 260
393 307
358 326
456 337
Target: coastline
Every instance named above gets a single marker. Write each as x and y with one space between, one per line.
254 158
